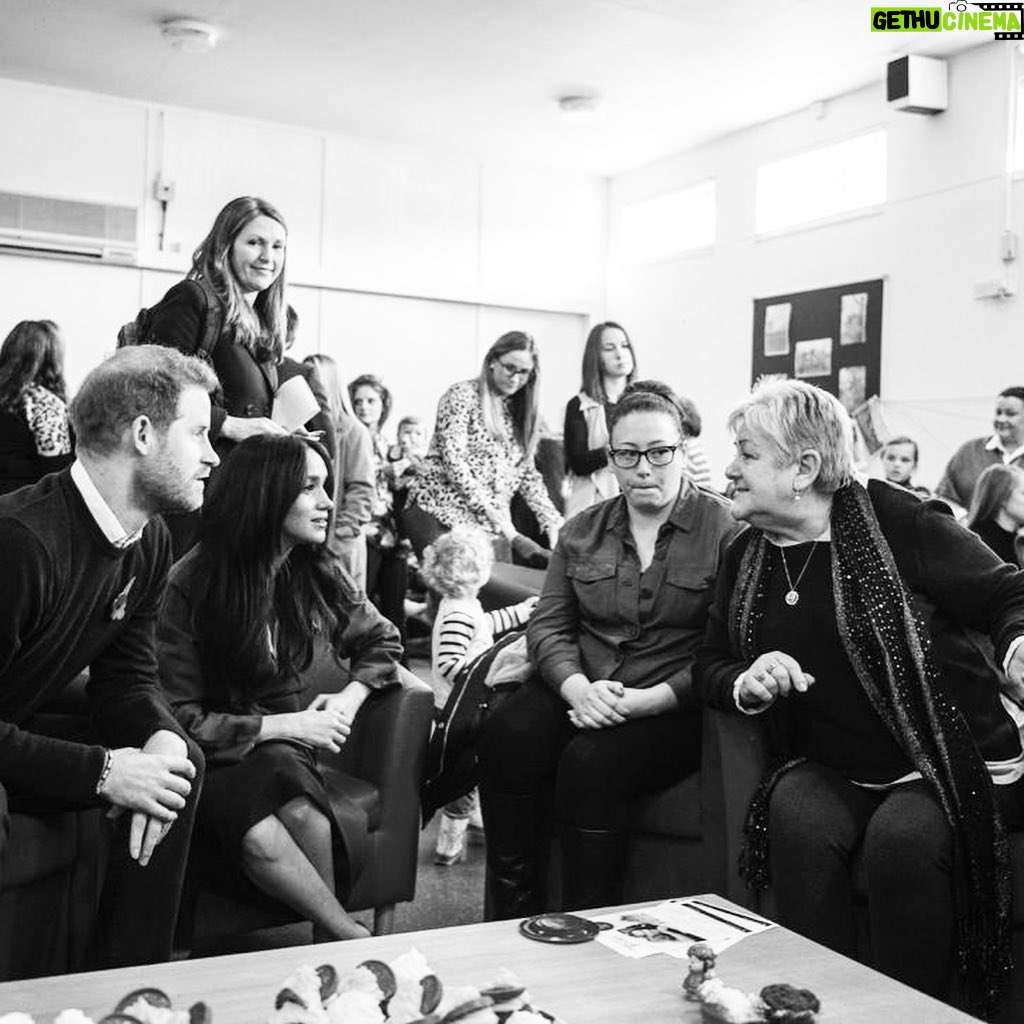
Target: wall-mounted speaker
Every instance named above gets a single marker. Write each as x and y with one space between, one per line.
917 85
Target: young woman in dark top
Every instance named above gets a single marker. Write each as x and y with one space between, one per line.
840 614
34 435
612 715
237 627
997 510
609 364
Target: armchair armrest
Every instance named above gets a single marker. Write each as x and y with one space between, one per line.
733 761
389 737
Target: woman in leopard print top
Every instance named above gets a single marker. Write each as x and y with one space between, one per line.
482 452
34 435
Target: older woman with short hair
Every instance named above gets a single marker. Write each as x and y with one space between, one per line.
840 615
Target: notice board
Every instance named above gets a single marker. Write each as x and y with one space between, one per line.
831 337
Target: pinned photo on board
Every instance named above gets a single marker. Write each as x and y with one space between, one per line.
776 329
853 319
813 358
853 386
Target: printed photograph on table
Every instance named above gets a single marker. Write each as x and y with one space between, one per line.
853 383
853 318
813 358
776 329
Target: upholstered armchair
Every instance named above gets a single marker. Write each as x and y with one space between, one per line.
378 772
735 756
49 874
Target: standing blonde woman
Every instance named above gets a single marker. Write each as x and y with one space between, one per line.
482 453
236 291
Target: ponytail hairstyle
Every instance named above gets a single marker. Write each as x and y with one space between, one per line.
524 404
262 327
326 370
248 591
648 396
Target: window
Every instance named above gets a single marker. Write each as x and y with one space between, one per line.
1018 130
826 182
668 225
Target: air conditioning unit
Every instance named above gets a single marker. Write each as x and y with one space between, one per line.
44 226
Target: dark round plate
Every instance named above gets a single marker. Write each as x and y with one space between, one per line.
562 928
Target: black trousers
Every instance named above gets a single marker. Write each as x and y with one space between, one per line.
138 907
819 822
387 579
529 746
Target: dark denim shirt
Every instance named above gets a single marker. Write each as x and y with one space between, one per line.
600 615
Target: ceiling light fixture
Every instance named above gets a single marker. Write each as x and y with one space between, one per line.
189 35
580 108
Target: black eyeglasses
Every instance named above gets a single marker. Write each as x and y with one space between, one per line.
511 370
629 458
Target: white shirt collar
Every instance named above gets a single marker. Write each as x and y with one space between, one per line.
101 511
993 444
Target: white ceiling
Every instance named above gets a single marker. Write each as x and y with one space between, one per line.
472 76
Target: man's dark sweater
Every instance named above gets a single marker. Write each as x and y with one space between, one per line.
69 599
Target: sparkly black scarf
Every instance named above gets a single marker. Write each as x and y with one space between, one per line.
890 652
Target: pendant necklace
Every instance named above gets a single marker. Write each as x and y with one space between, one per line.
793 595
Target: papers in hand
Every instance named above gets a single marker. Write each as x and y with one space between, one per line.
673 926
294 404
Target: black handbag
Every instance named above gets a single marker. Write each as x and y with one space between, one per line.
451 769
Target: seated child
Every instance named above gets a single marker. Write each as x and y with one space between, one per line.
899 461
457 565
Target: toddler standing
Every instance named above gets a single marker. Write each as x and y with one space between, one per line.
457 565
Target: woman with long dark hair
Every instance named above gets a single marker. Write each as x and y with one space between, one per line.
34 435
237 627
609 364
482 453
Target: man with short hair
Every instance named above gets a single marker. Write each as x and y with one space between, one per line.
971 459
85 559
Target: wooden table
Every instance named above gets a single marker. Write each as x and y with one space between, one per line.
583 984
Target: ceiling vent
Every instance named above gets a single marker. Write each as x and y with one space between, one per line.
44 226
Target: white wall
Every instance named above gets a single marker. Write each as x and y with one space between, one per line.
945 355
403 262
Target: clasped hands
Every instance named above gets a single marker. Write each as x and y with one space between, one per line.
598 704
153 783
771 676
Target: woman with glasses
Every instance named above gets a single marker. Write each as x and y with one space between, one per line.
482 453
611 716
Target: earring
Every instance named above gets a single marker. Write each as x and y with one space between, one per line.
797 495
